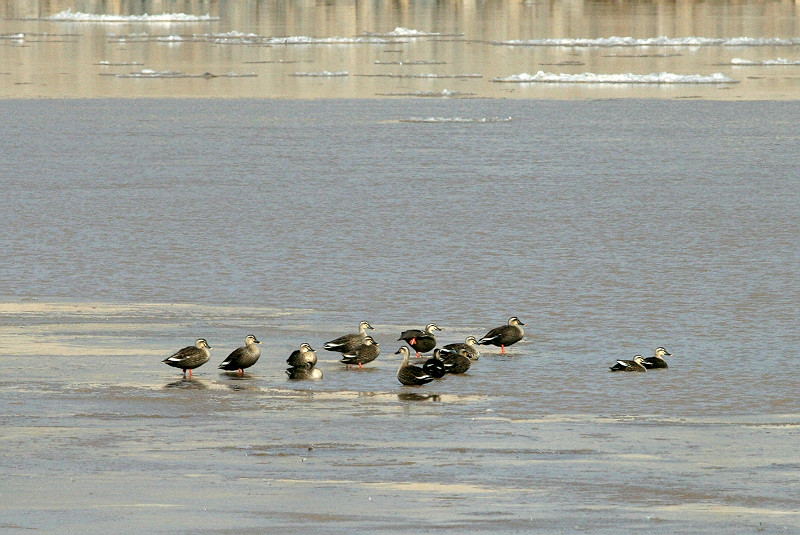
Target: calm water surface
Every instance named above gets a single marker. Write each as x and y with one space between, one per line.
132 227
443 49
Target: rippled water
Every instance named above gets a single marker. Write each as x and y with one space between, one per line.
132 227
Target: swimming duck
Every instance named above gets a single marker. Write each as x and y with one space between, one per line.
349 343
421 341
434 365
468 345
635 365
242 357
505 335
297 374
408 374
657 360
305 357
190 357
457 362
364 354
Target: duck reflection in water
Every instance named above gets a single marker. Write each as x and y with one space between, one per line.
188 383
303 373
413 396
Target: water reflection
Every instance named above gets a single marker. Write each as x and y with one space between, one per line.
413 396
188 383
451 49
303 373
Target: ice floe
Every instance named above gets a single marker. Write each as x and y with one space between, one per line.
654 41
77 16
627 78
768 62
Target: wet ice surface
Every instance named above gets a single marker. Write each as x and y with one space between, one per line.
104 437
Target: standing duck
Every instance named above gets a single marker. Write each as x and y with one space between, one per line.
468 346
349 343
457 362
505 335
408 374
657 360
635 365
242 357
421 341
305 357
190 357
364 354
434 365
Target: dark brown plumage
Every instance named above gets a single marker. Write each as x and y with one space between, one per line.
504 335
366 353
657 360
408 374
349 343
190 357
242 357
635 365
421 341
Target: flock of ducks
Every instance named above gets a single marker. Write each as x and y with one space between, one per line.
359 349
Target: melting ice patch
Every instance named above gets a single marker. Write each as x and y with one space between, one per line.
304 40
151 73
77 16
444 93
322 74
456 120
655 41
629 78
408 32
770 62
422 75
411 62
240 38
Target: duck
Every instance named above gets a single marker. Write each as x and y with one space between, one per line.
635 365
467 345
349 343
504 335
305 357
408 374
421 341
434 365
190 357
301 373
242 357
364 354
457 362
657 360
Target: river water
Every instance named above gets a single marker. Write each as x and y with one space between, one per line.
132 226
